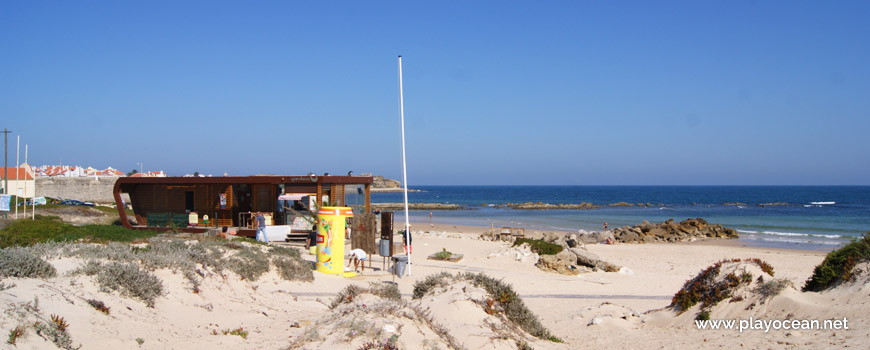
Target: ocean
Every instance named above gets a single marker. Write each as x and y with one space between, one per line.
804 217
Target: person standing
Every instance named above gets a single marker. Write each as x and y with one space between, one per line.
605 225
261 228
406 239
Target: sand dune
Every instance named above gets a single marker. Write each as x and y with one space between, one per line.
591 310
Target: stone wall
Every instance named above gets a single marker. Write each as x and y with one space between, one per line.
98 190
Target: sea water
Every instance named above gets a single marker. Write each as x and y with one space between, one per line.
803 217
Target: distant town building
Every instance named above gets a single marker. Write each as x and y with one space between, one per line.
60 170
106 172
78 171
150 174
21 181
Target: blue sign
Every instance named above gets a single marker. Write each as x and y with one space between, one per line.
4 202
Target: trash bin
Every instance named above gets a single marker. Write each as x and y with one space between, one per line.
384 248
399 267
330 239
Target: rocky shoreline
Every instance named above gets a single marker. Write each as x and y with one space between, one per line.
575 258
542 205
668 231
415 206
392 190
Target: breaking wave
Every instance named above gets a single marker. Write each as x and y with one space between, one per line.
792 234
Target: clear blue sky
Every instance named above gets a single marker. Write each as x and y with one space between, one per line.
553 92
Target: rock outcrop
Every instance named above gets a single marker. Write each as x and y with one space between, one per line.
415 206
574 258
668 231
382 182
542 205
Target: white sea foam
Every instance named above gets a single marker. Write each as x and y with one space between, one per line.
795 234
823 203
790 234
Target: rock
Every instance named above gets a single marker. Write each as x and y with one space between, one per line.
658 232
589 259
670 231
628 236
559 263
550 237
571 242
626 271
595 321
588 238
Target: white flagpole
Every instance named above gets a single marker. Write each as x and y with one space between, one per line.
404 167
18 180
25 183
33 200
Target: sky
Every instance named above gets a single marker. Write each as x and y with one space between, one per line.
495 92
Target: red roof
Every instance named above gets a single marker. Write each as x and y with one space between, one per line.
16 173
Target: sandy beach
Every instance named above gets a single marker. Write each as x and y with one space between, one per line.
609 310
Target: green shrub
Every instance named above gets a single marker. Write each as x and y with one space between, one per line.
705 290
283 251
540 246
127 279
238 331
837 266
385 290
512 305
52 331
424 286
773 287
443 254
346 295
502 298
293 269
98 305
249 240
14 334
52 229
17 262
250 263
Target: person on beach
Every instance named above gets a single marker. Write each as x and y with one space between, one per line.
358 257
605 225
406 239
261 228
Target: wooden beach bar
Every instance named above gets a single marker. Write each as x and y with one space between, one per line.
184 203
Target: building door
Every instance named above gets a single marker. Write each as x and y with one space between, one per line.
188 201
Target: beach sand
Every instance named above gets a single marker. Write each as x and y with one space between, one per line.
626 306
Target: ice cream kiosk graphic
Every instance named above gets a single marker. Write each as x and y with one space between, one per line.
330 239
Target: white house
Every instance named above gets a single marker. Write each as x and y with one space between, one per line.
22 181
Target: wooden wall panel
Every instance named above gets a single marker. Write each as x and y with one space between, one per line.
364 233
175 200
264 198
